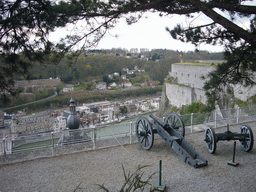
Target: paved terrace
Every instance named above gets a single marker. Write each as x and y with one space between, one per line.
104 166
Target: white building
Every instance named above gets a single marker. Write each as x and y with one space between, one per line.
155 103
101 86
83 108
112 85
126 84
60 124
145 106
68 88
123 77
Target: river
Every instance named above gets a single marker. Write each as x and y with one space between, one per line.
118 129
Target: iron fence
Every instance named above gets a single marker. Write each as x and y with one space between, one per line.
219 118
70 141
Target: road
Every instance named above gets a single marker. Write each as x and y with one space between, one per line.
45 99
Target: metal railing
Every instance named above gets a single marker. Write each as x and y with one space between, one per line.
219 118
70 141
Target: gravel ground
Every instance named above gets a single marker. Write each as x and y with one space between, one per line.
86 169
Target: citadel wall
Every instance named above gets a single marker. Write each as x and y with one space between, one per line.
179 95
187 86
190 74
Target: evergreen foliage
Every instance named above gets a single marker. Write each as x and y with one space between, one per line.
26 24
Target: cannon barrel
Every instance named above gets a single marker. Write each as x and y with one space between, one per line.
159 121
172 130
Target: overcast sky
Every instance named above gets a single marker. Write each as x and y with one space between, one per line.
149 32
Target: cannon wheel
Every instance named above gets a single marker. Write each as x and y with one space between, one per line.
144 133
210 139
247 144
176 123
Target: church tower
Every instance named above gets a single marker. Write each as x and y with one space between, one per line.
73 120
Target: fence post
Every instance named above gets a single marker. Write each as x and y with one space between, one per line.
215 119
192 122
93 138
130 132
4 149
238 113
52 144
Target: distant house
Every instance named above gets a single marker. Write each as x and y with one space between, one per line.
83 109
125 69
101 106
130 72
123 76
155 102
145 106
110 76
68 88
101 86
93 108
131 108
59 124
127 84
112 85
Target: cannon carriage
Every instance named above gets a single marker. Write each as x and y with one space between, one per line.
172 130
245 137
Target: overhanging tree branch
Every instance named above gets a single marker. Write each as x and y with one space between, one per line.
230 26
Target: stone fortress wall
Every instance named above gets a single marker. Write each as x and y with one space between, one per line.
189 74
187 86
179 95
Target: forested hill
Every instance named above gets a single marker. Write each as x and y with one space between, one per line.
94 64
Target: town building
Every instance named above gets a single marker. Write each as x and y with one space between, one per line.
68 88
37 85
32 124
101 86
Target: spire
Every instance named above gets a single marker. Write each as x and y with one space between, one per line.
73 120
72 106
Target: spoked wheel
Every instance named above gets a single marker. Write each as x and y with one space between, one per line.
210 139
144 133
176 123
247 143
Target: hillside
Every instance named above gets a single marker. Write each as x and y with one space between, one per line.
94 64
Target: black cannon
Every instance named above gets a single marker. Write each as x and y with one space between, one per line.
172 130
245 137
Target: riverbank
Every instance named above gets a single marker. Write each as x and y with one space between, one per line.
62 100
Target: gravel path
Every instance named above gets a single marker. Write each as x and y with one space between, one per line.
86 169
